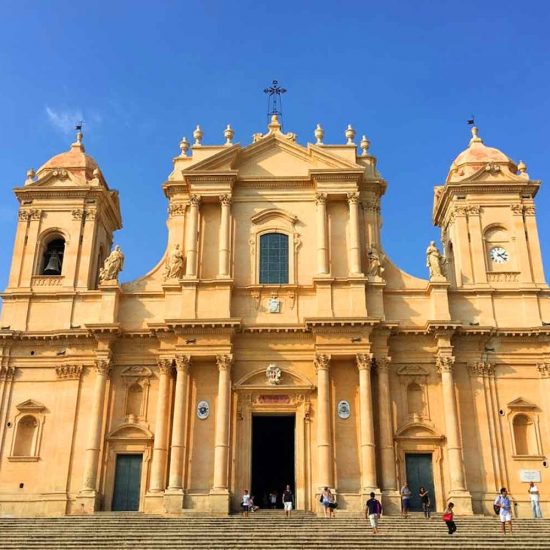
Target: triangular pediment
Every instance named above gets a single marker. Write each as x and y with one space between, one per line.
30 405
271 157
521 403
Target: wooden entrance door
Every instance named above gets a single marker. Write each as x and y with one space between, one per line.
127 483
420 474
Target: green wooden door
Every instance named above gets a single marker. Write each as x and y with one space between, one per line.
127 483
420 474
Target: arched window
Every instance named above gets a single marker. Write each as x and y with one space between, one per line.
134 400
524 435
52 258
415 400
274 259
25 437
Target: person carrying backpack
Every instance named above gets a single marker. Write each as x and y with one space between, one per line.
373 511
504 505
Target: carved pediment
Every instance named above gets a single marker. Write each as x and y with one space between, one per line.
130 430
521 404
418 430
258 379
30 405
271 213
412 370
137 372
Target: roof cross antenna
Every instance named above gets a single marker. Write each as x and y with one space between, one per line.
274 101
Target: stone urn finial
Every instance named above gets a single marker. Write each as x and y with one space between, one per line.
350 135
184 146
197 136
319 134
365 144
228 134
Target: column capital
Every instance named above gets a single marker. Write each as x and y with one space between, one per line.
544 369
177 209
183 362
383 363
321 361
225 200
7 373
353 198
103 366
195 200
481 368
364 361
320 198
165 366
444 363
224 362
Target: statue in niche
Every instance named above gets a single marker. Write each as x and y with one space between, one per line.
173 268
434 261
112 266
375 264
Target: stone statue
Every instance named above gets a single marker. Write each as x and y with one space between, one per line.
173 268
112 266
434 261
375 265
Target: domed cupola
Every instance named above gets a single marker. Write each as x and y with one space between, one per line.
478 156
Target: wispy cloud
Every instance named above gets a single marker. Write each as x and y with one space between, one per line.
64 120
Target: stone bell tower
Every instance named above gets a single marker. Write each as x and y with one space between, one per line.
487 215
66 222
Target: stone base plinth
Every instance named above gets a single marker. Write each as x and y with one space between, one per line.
173 501
86 503
153 503
219 502
391 503
462 501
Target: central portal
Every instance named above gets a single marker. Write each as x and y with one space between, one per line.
272 457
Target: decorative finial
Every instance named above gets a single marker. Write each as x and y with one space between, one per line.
365 144
275 93
475 137
228 134
79 134
197 136
184 146
522 167
350 134
274 126
30 175
319 135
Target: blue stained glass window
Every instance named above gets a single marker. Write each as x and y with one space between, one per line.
274 259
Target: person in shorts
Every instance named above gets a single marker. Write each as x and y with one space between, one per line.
406 494
288 499
504 504
246 503
373 509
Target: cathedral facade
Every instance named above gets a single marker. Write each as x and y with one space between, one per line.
274 343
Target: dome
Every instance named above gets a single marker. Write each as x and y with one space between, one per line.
476 156
75 159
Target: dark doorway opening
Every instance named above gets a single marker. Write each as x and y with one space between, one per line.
272 457
127 483
420 474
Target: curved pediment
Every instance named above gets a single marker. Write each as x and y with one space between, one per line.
258 379
270 213
418 430
130 430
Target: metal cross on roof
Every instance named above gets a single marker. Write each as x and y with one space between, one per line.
274 100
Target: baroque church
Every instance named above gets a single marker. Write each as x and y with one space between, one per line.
275 342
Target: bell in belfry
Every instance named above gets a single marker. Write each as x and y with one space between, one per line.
53 266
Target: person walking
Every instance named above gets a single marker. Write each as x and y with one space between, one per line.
273 499
504 505
448 518
246 503
426 503
373 511
288 499
535 500
406 494
328 502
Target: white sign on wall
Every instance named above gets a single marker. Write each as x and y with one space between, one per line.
530 475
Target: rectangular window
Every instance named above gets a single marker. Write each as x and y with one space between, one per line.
274 259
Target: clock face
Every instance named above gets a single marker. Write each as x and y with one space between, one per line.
498 255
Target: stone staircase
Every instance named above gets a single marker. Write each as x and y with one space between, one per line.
264 530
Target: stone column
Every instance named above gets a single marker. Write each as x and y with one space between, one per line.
158 462
225 233
387 451
192 236
91 458
523 262
324 437
177 447
354 241
368 456
454 449
223 412
322 240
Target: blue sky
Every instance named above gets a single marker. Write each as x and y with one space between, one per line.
143 74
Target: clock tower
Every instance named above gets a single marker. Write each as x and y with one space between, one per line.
486 213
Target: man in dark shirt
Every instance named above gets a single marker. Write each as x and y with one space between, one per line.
287 501
373 509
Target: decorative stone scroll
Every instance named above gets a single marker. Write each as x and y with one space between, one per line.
444 363
481 368
68 372
273 374
544 369
322 361
224 362
177 210
183 363
103 367
165 366
364 361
